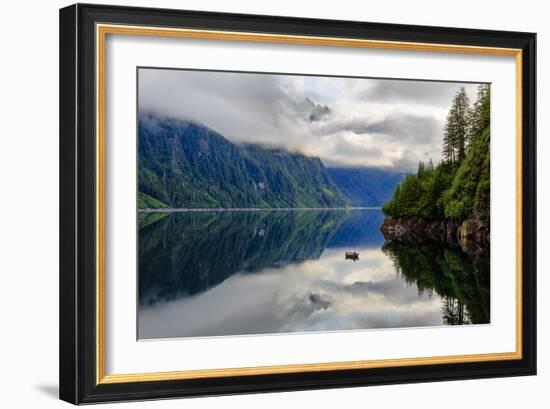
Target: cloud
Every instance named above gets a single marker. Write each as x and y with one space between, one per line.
429 93
344 121
402 126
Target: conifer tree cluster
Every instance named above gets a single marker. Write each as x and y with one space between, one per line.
456 128
459 186
465 123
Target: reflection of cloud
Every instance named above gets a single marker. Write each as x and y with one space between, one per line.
316 295
373 288
345 121
318 302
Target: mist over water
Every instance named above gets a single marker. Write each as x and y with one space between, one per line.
259 272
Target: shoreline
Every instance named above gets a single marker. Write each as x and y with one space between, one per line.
255 209
470 234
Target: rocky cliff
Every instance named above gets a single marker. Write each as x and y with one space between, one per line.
470 235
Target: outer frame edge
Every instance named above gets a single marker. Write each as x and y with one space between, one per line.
530 203
68 385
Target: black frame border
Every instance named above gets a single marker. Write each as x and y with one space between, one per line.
77 317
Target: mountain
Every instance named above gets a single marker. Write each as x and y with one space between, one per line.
148 202
366 186
184 164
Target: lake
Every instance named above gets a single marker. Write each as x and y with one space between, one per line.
213 273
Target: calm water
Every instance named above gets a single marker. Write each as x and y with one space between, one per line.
253 272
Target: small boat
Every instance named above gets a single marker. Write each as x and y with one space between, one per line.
352 255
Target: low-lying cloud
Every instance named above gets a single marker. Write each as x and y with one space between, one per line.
344 121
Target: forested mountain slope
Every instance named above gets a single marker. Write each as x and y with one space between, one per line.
187 165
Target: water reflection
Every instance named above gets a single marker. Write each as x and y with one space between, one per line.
463 281
229 273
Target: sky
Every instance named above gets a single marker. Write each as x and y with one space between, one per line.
347 122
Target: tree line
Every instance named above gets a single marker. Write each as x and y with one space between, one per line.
459 186
465 123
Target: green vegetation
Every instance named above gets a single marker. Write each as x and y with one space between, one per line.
468 194
148 202
187 165
458 187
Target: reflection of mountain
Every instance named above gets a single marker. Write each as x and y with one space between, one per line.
462 280
187 165
187 253
359 229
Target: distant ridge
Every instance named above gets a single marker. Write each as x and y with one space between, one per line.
366 186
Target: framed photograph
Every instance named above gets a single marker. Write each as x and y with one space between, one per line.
257 203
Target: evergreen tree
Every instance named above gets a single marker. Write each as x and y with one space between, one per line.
459 186
448 152
480 113
421 170
457 128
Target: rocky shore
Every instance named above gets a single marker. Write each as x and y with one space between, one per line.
470 235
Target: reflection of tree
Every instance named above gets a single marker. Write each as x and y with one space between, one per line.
454 312
187 253
461 280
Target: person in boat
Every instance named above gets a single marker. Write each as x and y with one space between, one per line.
352 255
